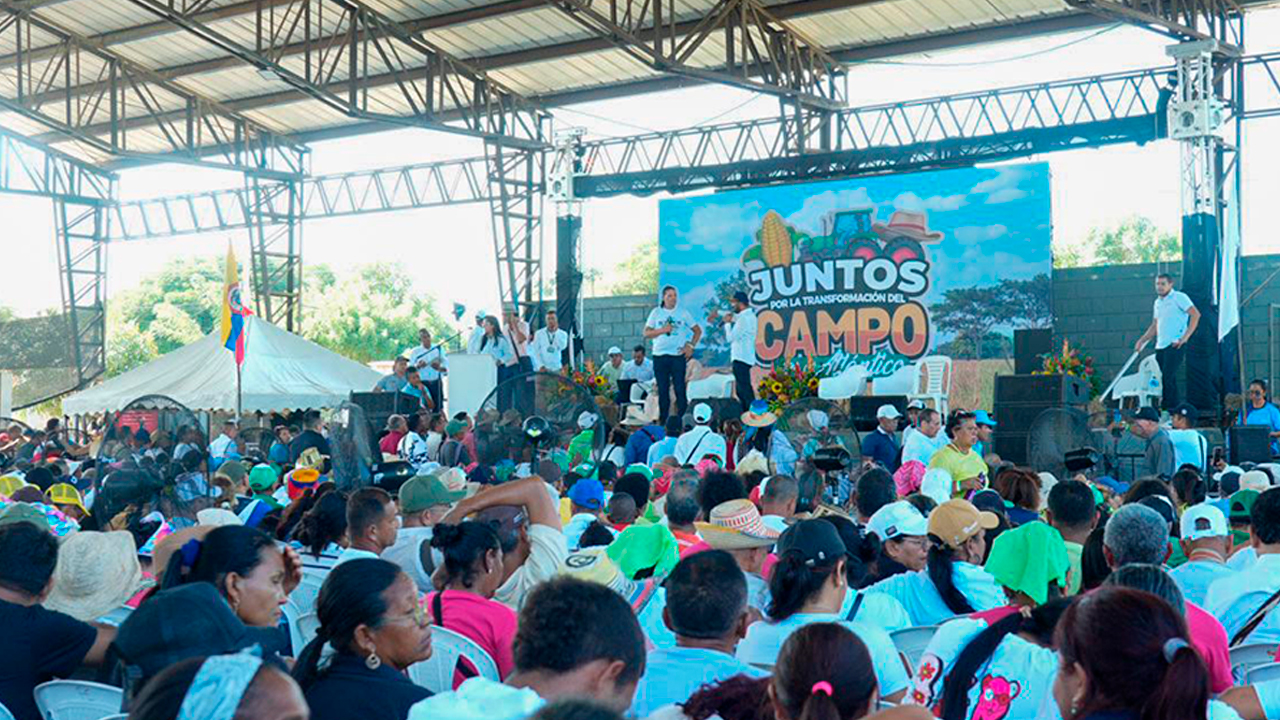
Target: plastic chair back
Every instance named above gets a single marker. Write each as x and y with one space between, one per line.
937 371
1250 655
436 672
308 591
77 700
5 714
912 641
1262 673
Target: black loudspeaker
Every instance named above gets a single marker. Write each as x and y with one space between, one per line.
1010 446
1052 390
1199 254
1249 443
380 406
1028 348
568 275
862 410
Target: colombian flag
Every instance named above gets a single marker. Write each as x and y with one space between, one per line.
233 311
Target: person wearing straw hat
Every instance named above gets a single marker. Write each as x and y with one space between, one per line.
96 573
760 434
38 643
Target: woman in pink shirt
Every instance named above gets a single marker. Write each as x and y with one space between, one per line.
473 572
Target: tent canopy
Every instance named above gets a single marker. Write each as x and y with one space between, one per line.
281 371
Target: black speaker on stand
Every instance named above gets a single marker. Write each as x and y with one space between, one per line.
1029 347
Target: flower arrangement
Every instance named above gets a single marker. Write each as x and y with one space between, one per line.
590 378
789 380
1073 361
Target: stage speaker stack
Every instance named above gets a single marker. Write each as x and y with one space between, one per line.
1029 347
1249 443
382 405
1019 400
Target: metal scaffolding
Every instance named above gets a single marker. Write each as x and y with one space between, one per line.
275 242
82 264
515 203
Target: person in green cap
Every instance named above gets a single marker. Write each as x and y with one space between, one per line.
424 500
453 451
262 481
1239 507
1030 563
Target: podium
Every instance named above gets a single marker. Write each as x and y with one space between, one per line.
471 379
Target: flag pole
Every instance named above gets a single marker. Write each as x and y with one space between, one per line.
238 394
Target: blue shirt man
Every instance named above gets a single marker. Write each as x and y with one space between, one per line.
637 449
881 445
1235 599
707 610
1206 539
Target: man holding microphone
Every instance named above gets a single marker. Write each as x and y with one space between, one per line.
740 330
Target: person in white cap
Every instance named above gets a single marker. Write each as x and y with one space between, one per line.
881 445
1206 539
903 534
612 370
701 441
913 420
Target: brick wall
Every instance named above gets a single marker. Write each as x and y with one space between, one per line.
608 321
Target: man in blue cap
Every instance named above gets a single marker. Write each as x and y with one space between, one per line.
986 427
586 500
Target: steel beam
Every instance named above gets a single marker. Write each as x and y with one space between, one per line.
515 205
124 96
760 52
82 262
345 43
27 168
449 182
275 241
1181 19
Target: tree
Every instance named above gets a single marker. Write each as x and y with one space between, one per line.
372 313
638 274
1135 239
1025 303
970 313
1069 256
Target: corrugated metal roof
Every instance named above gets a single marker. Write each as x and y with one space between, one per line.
519 48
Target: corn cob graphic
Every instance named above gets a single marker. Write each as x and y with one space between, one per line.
775 240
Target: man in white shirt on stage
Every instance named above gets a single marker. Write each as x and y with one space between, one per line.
477 335
1173 323
431 364
549 344
517 331
740 330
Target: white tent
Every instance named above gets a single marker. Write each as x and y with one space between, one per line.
281 371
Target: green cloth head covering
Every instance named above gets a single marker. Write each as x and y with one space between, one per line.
1028 558
581 445
560 458
640 469
641 547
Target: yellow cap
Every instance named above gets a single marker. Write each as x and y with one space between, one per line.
955 521
10 484
67 494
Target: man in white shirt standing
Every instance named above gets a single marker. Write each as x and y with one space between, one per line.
431 364
740 330
517 331
674 335
1173 323
549 344
701 441
477 335
223 447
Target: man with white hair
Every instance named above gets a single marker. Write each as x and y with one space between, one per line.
701 441
1138 534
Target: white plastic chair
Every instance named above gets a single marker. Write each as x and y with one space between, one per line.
911 643
436 673
711 388
1145 385
1250 655
932 381
850 382
309 626
77 700
900 382
308 591
116 617
1262 673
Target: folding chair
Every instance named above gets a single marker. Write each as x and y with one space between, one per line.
911 643
77 700
436 673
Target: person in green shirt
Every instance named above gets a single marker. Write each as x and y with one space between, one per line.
1074 513
967 468
612 370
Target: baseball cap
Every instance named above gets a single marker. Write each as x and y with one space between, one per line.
741 297
640 469
1188 411
262 477
955 521
1203 521
587 420
981 417
1147 413
67 494
615 350
232 470
1242 505
587 493
815 541
1255 480
702 413
426 491
896 520
916 405
888 411
593 564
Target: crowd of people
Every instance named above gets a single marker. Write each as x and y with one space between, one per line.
705 568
